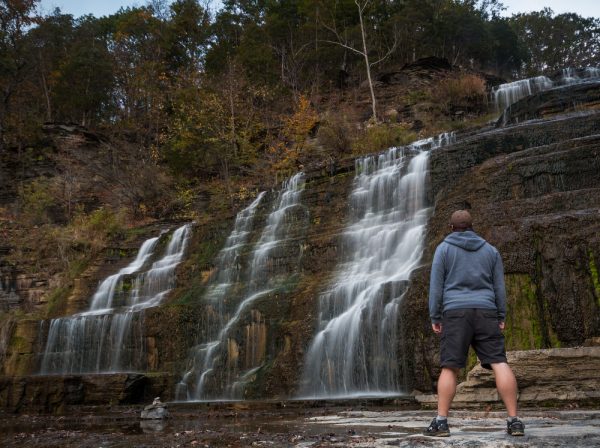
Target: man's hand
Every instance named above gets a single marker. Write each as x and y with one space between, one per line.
437 328
501 325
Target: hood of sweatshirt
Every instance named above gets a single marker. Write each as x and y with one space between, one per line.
467 240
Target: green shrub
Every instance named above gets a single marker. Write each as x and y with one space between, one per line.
382 136
335 132
36 201
98 226
57 301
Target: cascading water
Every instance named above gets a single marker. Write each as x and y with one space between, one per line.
213 373
506 94
574 76
228 270
109 336
569 76
355 349
228 263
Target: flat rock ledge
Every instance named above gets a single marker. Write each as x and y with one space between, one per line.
558 376
55 393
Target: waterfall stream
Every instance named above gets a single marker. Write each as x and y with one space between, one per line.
214 370
506 94
355 349
109 336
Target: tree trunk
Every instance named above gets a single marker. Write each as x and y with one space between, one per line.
47 95
45 87
232 112
366 55
225 174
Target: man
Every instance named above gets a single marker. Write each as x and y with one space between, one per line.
467 306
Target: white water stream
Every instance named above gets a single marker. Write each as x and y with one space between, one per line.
209 375
109 336
354 351
506 94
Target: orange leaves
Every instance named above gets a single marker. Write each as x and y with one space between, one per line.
292 142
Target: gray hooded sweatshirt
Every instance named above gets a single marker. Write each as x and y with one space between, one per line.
467 272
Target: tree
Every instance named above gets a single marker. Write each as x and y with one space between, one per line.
216 127
555 42
51 41
363 50
15 17
507 52
83 82
188 34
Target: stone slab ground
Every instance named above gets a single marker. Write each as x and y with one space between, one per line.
277 425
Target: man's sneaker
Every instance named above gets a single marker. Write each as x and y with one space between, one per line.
437 429
515 427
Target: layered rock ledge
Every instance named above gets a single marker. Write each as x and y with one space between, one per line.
551 377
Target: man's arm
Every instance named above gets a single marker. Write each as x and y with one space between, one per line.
436 287
499 289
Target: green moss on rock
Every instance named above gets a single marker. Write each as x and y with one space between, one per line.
526 324
594 274
57 301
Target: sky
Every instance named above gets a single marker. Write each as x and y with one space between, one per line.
586 8
96 7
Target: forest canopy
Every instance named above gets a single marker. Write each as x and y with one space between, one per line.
203 92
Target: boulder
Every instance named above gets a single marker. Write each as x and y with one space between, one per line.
545 377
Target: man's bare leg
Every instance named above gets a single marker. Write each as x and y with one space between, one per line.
506 384
446 389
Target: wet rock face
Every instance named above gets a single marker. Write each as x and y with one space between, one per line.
533 190
534 193
57 393
580 97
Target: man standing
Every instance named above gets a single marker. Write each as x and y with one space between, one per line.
467 306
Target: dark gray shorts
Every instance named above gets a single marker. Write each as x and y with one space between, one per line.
475 327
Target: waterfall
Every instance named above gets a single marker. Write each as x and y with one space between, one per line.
506 94
213 371
573 76
109 336
228 269
569 76
355 349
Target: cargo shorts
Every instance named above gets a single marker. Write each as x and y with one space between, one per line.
474 327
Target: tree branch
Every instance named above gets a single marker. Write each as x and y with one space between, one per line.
348 47
390 51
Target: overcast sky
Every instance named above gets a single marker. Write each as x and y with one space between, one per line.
586 8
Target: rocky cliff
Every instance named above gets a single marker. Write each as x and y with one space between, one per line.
533 190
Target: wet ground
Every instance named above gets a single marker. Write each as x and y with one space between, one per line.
243 425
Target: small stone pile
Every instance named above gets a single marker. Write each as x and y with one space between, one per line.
155 411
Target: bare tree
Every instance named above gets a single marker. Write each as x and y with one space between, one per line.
364 52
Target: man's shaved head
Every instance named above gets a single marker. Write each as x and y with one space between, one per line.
461 220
